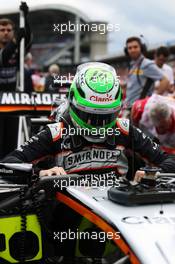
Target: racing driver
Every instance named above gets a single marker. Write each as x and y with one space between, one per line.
90 138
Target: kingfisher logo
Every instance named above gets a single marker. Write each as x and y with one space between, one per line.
96 98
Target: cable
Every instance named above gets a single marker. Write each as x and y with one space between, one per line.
23 225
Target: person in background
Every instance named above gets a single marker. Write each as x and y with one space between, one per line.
54 72
38 80
156 117
142 73
28 61
162 116
161 57
9 65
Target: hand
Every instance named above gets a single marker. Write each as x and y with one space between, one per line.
52 171
139 174
24 7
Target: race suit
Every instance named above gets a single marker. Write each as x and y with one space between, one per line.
76 155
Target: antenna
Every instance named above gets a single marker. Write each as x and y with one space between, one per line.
144 40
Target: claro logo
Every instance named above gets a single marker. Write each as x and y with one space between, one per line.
96 98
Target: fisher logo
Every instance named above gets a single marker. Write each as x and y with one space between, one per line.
88 157
96 98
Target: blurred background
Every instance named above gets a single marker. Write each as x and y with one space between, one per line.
151 19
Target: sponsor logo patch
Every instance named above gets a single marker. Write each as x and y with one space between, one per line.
91 156
96 98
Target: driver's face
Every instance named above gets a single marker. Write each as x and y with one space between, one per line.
134 50
6 33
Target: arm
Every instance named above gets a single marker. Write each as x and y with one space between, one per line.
152 71
35 149
171 80
150 151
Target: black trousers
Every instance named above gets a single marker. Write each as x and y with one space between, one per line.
8 134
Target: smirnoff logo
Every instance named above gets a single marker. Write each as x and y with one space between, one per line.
22 98
96 98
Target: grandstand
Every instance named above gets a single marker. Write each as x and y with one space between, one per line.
69 49
49 46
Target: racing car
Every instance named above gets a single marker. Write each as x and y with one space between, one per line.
63 219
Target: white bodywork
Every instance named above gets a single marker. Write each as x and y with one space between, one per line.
150 233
